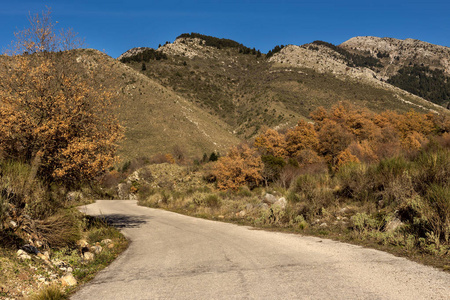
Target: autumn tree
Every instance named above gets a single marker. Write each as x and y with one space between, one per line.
52 117
271 142
238 168
333 138
301 137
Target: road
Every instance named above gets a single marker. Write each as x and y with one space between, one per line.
173 256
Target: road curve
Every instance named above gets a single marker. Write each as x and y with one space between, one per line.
172 256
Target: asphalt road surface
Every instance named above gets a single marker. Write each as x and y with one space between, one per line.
172 256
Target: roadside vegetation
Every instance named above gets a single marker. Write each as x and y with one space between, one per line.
56 139
374 179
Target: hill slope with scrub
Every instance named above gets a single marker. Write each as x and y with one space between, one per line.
246 90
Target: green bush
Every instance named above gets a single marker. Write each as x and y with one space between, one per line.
312 193
432 167
354 182
209 200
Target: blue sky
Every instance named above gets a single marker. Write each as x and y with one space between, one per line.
116 26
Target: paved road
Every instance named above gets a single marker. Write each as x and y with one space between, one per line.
172 256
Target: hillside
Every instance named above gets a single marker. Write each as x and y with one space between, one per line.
155 118
248 91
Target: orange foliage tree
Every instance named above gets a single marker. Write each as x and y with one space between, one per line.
50 116
301 137
56 121
333 138
238 168
272 143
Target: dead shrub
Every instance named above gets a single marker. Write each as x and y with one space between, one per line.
287 176
112 179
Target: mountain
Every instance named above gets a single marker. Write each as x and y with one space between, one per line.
156 118
202 94
246 90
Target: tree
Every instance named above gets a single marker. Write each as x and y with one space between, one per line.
214 156
238 168
272 143
333 139
301 137
52 118
41 36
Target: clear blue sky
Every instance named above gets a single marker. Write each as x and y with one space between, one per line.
116 26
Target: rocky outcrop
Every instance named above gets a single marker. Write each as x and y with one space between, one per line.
133 51
188 47
396 53
322 60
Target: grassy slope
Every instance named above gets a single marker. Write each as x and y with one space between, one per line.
155 118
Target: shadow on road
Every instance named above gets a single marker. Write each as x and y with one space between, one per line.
124 221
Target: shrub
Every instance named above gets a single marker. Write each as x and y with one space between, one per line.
211 200
49 292
432 168
362 222
313 192
437 212
354 182
60 230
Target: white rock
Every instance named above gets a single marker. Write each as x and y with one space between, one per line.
269 198
13 224
88 256
106 241
22 255
281 203
96 249
68 280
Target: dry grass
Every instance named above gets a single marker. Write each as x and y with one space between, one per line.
60 230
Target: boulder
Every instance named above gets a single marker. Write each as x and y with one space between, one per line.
123 190
281 203
82 243
106 242
242 213
269 199
393 225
